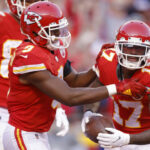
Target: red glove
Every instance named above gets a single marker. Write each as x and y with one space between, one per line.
132 88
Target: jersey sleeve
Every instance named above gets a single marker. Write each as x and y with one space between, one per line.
27 63
3 15
105 66
143 76
95 67
96 70
145 80
103 48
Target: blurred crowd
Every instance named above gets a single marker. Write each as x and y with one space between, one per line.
92 23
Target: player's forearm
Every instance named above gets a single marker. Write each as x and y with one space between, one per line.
76 96
58 89
80 96
140 138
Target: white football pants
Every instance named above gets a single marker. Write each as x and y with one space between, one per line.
4 116
16 139
131 147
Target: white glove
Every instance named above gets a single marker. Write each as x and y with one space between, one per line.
86 118
62 121
116 139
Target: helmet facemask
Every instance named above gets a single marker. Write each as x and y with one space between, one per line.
20 6
57 35
132 54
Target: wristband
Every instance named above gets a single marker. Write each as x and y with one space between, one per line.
111 89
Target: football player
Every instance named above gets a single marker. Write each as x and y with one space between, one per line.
11 38
37 71
128 59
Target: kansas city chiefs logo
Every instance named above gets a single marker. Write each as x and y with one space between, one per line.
30 17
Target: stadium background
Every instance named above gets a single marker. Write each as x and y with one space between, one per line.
92 23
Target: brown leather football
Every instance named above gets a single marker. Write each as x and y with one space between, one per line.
96 125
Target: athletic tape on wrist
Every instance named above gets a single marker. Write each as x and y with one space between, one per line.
111 89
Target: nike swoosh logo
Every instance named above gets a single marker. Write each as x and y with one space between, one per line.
117 139
24 56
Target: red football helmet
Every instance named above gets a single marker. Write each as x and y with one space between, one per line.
133 44
45 25
17 6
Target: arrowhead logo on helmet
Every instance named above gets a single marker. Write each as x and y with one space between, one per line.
31 17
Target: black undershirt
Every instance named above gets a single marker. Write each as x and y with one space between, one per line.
67 68
119 72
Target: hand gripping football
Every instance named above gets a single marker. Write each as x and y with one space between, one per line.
97 124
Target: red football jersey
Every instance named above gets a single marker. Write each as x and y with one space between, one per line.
29 108
11 37
129 115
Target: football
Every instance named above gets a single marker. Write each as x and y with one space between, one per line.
97 124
